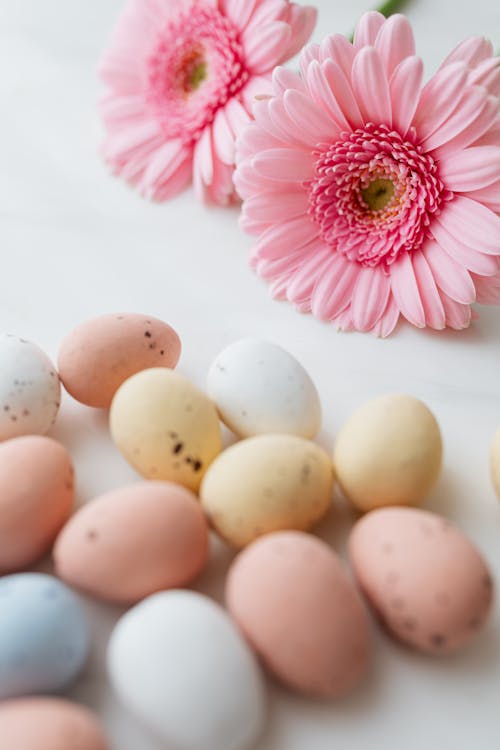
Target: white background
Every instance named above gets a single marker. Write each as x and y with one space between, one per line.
76 242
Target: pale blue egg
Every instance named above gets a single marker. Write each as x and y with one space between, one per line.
44 637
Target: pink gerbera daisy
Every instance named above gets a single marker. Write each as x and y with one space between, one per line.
372 196
181 76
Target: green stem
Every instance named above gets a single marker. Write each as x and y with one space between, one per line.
390 7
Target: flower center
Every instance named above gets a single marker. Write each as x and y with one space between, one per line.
197 66
373 194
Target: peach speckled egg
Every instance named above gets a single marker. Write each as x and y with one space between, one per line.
36 496
165 427
49 724
267 483
426 581
134 541
100 354
388 453
294 602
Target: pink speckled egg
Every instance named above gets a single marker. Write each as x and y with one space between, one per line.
100 354
291 597
49 724
425 580
36 497
134 541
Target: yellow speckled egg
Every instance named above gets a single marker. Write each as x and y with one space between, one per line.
267 483
165 427
388 452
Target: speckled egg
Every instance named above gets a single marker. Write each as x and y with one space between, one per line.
388 453
180 665
36 497
43 635
495 463
30 392
100 354
165 427
49 724
267 483
258 387
134 541
291 597
425 580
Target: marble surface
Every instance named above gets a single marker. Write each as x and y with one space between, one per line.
75 243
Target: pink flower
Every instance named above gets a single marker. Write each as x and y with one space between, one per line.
181 76
372 196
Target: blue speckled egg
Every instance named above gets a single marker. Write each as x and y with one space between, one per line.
44 636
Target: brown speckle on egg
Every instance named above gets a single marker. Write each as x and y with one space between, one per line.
92 535
438 640
177 448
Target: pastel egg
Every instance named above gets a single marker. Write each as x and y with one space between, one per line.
291 597
49 724
165 427
425 580
100 354
134 541
36 497
259 387
43 635
267 483
179 664
495 463
388 452
30 391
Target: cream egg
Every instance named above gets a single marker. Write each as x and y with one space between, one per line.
30 391
267 483
180 665
49 724
292 598
100 354
165 427
425 580
134 541
258 387
36 498
388 452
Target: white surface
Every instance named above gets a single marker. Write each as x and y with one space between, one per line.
76 243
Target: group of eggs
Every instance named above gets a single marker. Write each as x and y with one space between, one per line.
290 601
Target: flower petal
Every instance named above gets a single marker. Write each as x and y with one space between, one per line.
450 276
177 182
429 294
476 130
368 28
472 223
458 316
487 290
370 296
334 289
489 196
338 49
240 11
469 104
274 208
395 42
322 93
237 116
406 292
258 87
163 164
264 50
284 78
302 20
472 51
223 137
371 87
309 117
349 115
471 168
462 254
389 320
283 239
306 277
284 164
405 86
439 98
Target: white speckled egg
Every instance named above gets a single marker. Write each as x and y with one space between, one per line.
43 635
165 427
267 483
179 664
388 452
259 387
30 391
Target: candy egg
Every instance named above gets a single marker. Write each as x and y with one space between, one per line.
30 392
267 483
293 600
165 427
426 581
495 463
36 496
388 453
259 387
49 724
180 665
43 635
100 354
133 541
